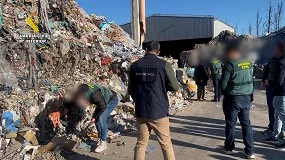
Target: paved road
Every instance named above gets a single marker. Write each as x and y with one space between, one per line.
198 134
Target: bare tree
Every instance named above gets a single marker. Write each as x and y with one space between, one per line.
264 28
278 15
280 11
237 24
269 17
258 23
249 28
275 21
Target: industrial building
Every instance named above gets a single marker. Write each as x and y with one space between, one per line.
177 33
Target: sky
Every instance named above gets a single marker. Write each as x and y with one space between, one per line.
237 13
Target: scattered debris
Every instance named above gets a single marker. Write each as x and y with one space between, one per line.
121 144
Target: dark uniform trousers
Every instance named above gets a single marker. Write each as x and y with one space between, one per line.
238 107
217 88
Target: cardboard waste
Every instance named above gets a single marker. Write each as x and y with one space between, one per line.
48 47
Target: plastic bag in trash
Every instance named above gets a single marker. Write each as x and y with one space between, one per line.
7 77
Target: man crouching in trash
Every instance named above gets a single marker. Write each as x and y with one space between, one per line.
105 100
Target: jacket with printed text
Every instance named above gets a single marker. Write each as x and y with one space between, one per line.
150 79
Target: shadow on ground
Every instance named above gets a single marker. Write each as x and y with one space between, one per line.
71 155
214 129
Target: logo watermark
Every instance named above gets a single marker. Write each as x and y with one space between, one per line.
32 38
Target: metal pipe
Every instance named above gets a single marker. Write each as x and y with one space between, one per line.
135 21
142 21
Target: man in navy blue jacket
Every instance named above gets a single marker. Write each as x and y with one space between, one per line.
279 91
150 79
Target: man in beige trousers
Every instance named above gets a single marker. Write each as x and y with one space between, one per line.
150 79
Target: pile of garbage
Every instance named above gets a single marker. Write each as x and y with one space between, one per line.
276 36
180 99
47 48
215 48
226 36
269 43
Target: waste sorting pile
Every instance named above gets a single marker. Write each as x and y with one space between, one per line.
265 52
47 48
269 41
215 47
180 99
276 36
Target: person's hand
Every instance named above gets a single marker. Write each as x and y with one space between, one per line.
60 95
176 94
92 120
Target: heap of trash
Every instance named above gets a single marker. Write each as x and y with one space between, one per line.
47 48
226 36
269 43
215 47
276 36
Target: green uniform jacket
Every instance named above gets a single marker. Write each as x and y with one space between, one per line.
216 67
107 93
237 78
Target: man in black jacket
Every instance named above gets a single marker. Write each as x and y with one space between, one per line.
150 79
201 75
279 92
267 82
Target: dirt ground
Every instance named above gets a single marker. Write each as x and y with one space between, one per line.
197 134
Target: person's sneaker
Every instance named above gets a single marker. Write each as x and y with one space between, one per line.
267 132
227 152
249 156
101 147
214 100
280 147
272 140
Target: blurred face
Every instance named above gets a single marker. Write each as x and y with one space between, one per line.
277 51
81 101
232 55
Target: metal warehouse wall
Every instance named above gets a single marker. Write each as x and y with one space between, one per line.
127 28
167 28
221 26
